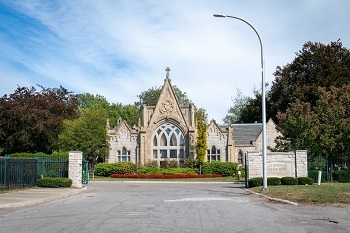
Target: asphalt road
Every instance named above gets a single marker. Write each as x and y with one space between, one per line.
171 207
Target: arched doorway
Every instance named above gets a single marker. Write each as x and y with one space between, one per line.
168 142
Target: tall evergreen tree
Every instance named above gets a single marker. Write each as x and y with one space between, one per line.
201 146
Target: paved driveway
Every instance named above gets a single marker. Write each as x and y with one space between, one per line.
171 207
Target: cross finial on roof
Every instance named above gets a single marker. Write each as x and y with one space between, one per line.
167 72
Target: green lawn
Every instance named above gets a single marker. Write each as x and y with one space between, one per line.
325 193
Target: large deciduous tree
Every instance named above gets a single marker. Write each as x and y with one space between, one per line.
87 134
31 119
315 65
151 96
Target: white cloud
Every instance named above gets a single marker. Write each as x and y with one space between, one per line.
120 48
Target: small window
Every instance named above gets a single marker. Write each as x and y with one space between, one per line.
213 154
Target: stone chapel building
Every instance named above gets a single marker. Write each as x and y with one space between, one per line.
168 130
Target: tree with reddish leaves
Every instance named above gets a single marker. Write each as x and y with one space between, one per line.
31 119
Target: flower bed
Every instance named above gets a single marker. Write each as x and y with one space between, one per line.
163 176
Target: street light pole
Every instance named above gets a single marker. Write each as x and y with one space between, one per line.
262 96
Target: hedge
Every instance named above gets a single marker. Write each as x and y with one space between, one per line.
289 181
254 182
168 171
54 182
162 176
221 168
342 175
106 169
305 180
273 181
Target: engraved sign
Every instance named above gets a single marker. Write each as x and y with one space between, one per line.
278 169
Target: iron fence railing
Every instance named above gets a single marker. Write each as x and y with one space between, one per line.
52 166
17 173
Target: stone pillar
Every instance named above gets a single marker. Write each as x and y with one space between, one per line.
75 168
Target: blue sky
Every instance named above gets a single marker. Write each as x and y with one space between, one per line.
120 48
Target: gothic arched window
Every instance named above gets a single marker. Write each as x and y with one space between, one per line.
168 142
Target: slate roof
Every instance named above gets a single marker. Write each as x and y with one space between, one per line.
244 134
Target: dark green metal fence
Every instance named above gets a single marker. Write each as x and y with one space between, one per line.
24 172
85 173
17 173
52 166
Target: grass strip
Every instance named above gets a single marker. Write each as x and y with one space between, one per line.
325 193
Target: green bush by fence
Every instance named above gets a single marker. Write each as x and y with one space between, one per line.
166 171
221 168
305 180
106 169
54 182
342 175
289 181
254 182
273 181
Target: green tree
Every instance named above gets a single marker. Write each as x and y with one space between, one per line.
201 146
91 101
151 96
130 113
234 113
333 110
300 126
87 134
31 119
315 65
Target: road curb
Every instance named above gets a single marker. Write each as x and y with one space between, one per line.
273 199
22 202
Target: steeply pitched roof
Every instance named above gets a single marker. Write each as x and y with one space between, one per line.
244 134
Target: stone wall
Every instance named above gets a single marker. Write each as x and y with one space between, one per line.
217 139
75 168
122 139
278 164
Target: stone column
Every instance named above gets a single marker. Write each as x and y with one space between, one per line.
75 168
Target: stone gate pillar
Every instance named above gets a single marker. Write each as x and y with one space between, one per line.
76 168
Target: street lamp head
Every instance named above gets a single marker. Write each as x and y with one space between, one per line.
219 15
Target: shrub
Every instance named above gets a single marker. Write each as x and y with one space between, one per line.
22 155
289 180
174 164
342 175
190 163
273 181
169 171
254 182
54 182
162 176
106 169
305 180
151 163
165 163
221 168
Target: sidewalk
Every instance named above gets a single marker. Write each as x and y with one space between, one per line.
34 196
